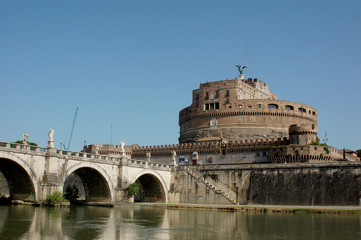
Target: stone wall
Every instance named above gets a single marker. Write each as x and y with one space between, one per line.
279 184
186 189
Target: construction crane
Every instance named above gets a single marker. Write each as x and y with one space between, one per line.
72 129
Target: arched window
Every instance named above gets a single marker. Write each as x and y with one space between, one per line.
272 106
289 107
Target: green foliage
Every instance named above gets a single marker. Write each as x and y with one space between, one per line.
54 199
358 152
71 193
316 142
327 150
321 155
29 143
133 189
298 152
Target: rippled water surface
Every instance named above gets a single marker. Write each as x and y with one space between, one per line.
139 222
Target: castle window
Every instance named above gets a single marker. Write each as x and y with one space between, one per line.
197 96
207 95
227 93
217 94
259 105
211 106
301 109
272 106
313 113
289 107
197 104
227 101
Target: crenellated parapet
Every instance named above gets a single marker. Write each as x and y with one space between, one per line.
215 147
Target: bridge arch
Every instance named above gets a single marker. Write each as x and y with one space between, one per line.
153 187
96 182
22 181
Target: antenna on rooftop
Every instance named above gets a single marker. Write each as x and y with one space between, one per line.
325 139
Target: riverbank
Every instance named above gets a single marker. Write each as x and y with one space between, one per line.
262 208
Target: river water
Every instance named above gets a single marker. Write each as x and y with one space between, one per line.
141 222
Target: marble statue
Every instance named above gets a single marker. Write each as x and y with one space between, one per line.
26 137
122 147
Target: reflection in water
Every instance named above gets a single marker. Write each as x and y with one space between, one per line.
15 221
139 222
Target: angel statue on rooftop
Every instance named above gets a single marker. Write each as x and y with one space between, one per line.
240 69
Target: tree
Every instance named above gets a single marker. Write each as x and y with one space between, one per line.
29 143
133 189
358 152
71 193
54 199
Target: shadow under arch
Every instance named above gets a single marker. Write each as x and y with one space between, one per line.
19 181
152 189
93 183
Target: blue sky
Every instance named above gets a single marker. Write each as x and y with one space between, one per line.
134 64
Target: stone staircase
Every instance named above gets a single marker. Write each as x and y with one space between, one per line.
218 188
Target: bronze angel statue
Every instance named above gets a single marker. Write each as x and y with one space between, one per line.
240 69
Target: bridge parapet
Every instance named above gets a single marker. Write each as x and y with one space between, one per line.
146 164
81 156
17 147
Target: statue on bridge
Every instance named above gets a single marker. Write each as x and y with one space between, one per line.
174 158
51 139
96 149
26 137
122 147
149 155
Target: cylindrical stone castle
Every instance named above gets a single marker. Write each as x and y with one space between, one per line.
240 109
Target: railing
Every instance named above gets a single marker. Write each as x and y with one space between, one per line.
82 156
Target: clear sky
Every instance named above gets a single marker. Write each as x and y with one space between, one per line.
134 64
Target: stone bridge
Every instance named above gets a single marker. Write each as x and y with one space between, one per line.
33 173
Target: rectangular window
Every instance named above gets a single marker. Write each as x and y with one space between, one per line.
211 106
206 95
259 105
217 94
227 93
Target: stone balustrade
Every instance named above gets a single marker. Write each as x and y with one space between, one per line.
80 156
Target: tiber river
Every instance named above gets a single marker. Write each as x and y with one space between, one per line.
140 222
